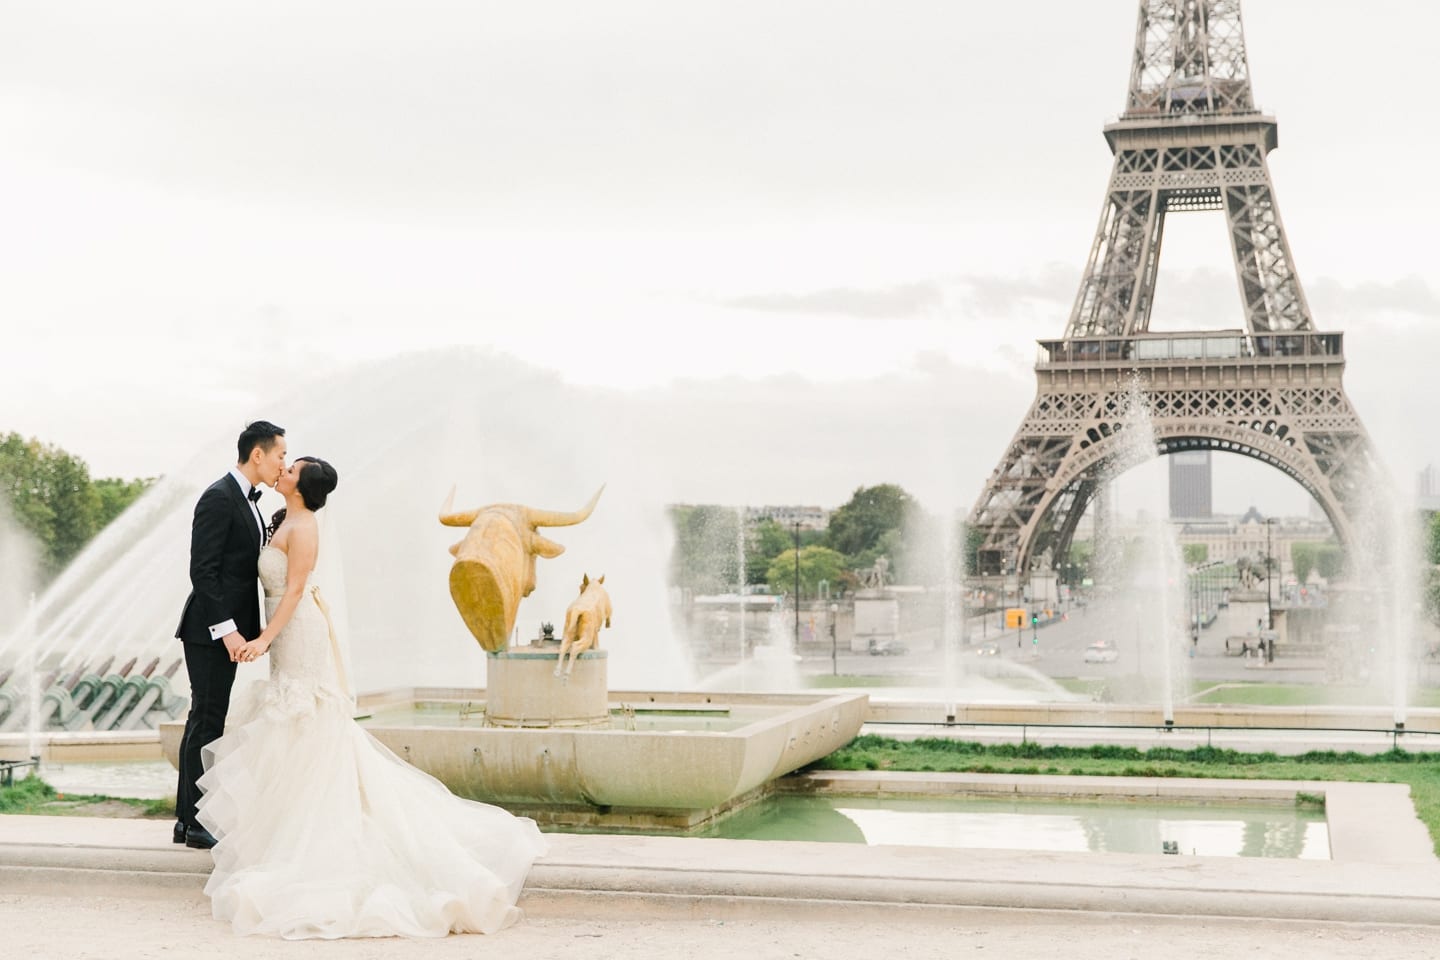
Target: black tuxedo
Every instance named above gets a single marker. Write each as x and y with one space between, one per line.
225 541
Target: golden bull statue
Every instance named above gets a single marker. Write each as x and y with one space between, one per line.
495 562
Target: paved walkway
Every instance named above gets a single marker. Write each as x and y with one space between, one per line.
80 887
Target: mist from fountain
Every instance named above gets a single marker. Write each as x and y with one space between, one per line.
401 433
1385 568
934 558
20 678
741 576
1148 573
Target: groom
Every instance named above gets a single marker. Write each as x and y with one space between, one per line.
223 609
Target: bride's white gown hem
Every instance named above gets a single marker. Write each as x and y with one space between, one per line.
323 832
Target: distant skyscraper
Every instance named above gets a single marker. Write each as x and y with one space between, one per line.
1190 485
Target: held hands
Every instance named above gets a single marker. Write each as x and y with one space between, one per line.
234 643
253 650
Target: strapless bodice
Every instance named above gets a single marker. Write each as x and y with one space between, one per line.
274 568
303 651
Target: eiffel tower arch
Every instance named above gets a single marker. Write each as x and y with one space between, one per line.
1190 139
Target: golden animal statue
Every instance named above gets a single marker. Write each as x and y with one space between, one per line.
495 562
583 619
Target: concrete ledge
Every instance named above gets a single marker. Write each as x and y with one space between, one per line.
671 877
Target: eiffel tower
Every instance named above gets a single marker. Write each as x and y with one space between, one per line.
1190 139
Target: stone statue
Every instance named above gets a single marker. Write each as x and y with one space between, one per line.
495 562
874 577
583 619
1248 572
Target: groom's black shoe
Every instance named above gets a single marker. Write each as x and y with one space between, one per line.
199 838
179 831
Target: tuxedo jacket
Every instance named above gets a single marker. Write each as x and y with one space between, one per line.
225 543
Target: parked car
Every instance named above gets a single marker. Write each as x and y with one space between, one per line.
1101 652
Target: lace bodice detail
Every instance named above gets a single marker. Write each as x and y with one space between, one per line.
302 653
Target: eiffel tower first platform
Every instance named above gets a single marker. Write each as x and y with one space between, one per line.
1190 139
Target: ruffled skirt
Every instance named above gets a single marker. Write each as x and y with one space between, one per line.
323 832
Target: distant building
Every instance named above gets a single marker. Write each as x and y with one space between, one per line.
1190 485
1227 539
1429 488
809 518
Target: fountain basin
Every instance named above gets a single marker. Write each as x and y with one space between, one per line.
658 779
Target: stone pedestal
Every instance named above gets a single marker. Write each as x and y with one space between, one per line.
523 691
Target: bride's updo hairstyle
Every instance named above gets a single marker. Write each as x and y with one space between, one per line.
317 481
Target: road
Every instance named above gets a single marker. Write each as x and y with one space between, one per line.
1057 650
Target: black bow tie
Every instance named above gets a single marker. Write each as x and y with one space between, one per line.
254 494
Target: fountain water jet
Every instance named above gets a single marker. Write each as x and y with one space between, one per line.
400 432
1153 573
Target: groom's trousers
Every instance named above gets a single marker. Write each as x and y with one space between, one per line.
212 674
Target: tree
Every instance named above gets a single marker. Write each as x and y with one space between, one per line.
857 525
1330 561
1195 553
115 495
817 563
891 546
1082 558
1434 551
766 542
1303 557
50 494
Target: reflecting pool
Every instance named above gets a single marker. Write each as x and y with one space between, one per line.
1250 830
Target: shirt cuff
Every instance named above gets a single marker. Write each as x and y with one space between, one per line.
221 629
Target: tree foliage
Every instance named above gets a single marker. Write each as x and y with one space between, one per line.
50 494
767 542
1330 561
857 525
1304 557
1195 553
817 563
872 523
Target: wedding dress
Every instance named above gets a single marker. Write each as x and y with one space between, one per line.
323 832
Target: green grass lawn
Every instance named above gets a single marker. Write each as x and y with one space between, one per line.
1420 770
33 795
1303 695
1242 693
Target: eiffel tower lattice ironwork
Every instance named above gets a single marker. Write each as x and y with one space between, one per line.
1190 139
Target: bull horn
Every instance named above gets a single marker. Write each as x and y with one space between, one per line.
552 518
450 519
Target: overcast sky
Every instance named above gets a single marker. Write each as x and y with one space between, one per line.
839 226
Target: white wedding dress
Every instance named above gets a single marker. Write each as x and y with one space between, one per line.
323 832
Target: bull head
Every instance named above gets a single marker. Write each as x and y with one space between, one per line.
495 562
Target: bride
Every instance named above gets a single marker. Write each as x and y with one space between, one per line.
322 831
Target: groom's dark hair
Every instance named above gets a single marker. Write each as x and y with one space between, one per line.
262 434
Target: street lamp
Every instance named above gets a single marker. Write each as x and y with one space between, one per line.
834 615
1269 606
